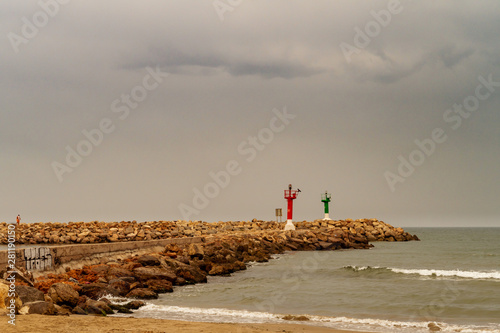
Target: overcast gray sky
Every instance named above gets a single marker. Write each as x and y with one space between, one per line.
326 95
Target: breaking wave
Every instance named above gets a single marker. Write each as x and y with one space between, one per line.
217 315
475 275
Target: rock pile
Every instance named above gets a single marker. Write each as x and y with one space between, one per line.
370 229
83 291
103 232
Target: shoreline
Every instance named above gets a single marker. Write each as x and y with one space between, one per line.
125 261
95 324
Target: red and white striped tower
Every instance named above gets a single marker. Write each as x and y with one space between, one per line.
290 195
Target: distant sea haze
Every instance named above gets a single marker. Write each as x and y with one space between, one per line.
450 279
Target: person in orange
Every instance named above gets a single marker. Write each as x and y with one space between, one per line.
18 219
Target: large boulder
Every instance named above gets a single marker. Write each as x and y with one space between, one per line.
100 269
88 306
336 241
371 238
29 294
4 292
196 251
6 301
129 279
359 239
148 260
117 272
190 273
94 310
38 307
63 310
98 290
134 305
160 286
142 293
91 304
78 311
226 269
121 286
325 245
172 248
120 308
113 238
149 273
63 294
81 300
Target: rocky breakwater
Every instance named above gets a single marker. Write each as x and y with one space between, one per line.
371 230
141 277
104 232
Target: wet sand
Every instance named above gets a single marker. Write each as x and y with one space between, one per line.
93 324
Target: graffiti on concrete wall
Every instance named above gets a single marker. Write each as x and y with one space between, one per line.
37 258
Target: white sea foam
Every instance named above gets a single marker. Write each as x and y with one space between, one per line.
205 314
243 316
457 273
117 299
435 272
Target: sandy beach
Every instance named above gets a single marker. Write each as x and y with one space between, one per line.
93 324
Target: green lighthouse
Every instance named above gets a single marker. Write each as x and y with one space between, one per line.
325 198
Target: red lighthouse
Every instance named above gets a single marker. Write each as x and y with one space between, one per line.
290 195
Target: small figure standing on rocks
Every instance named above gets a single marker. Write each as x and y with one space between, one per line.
18 219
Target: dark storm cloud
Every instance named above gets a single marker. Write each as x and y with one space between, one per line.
174 60
272 70
390 71
450 56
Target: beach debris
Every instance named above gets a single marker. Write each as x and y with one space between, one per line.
433 327
296 318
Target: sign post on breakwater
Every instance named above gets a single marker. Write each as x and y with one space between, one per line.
278 214
290 195
325 198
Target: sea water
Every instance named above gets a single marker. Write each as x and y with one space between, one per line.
450 278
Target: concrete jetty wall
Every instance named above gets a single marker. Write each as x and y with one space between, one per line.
55 259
